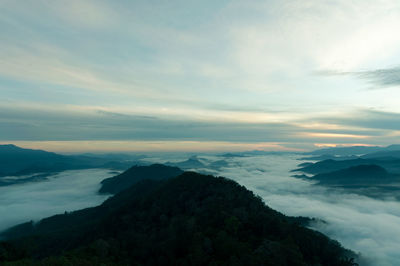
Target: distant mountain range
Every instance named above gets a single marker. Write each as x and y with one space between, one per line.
354 150
253 153
199 164
361 166
356 175
136 174
191 219
16 161
191 163
392 165
386 155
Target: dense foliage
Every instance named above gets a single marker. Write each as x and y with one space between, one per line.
191 219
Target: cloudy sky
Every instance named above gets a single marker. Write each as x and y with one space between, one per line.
199 75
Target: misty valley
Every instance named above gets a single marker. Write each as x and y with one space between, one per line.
253 208
234 132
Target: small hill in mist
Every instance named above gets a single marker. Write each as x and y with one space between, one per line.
191 163
191 219
391 165
360 174
202 165
135 174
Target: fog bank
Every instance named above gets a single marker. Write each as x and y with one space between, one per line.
363 224
65 191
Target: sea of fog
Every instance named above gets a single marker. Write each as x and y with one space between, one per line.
66 191
370 226
367 225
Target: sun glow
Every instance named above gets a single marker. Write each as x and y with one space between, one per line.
336 135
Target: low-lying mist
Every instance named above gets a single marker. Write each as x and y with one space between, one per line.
363 224
66 191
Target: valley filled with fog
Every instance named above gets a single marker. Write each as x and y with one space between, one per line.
364 224
65 191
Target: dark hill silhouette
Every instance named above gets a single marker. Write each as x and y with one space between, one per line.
16 161
360 174
383 155
191 219
345 151
191 163
329 157
135 174
392 166
352 151
203 166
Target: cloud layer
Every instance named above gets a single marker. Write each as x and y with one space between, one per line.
23 125
66 191
191 64
367 225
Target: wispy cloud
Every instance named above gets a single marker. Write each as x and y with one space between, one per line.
64 124
248 64
367 119
380 78
74 123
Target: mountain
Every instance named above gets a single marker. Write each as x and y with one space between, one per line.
392 166
253 153
191 219
393 147
329 157
346 151
217 165
115 156
191 163
135 174
353 151
16 161
383 155
233 155
329 165
203 166
356 175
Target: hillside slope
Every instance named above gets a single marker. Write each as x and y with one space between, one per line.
191 219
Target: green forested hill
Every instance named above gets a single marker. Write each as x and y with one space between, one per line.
191 219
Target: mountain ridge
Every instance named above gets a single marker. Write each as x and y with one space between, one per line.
191 219
17 161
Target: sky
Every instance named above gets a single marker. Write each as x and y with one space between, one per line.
199 75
